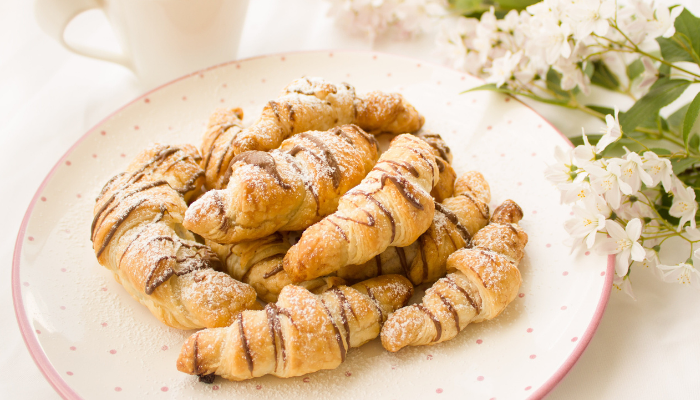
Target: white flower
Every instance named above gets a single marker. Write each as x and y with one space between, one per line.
607 182
683 273
659 169
564 170
550 41
613 132
632 171
684 205
623 243
503 67
633 207
579 190
662 23
590 16
586 153
572 75
624 284
588 221
451 44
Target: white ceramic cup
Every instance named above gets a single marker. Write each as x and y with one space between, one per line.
160 39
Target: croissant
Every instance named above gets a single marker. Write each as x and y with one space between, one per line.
455 222
285 189
390 207
137 233
485 280
299 334
443 157
259 264
305 104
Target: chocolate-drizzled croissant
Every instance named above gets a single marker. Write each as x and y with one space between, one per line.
485 280
285 189
299 334
259 264
137 233
305 104
455 222
443 157
391 207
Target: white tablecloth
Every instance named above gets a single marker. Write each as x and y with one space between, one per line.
50 97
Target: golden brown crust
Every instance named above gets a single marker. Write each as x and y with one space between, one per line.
137 233
299 334
305 104
391 207
484 279
446 234
285 189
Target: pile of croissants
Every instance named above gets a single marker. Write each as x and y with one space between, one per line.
292 210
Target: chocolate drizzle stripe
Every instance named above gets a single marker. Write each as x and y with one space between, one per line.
441 164
376 304
421 246
116 225
273 323
307 183
432 169
244 342
102 209
466 294
273 106
332 162
338 338
477 204
452 217
382 208
343 303
396 165
195 354
340 131
273 271
286 313
378 262
189 185
451 308
342 232
222 210
107 185
157 219
222 129
401 184
179 160
402 258
436 322
262 160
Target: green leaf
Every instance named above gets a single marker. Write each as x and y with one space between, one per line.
468 7
675 120
592 139
603 77
515 4
662 93
492 87
689 121
588 69
674 49
688 34
681 164
661 151
635 69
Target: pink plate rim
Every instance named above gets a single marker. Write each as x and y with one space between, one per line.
65 391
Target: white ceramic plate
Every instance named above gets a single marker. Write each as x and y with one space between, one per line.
91 340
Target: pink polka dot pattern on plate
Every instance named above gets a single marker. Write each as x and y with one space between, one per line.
38 332
533 356
306 380
30 238
43 198
104 289
528 388
548 245
136 127
165 347
72 348
563 307
103 133
534 211
26 283
429 357
521 295
479 378
104 324
94 156
164 389
348 373
78 195
258 387
112 351
588 253
438 390
602 273
68 163
69 373
479 341
215 387
574 339
529 330
488 128
146 100
565 273
184 98
62 307
117 389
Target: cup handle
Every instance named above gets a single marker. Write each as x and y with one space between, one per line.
54 16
